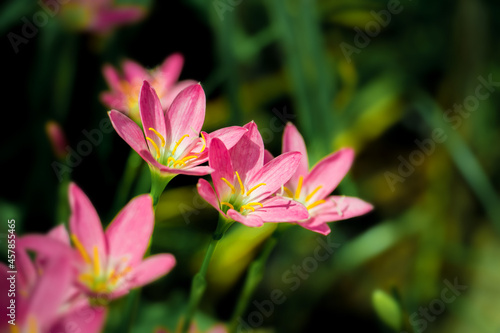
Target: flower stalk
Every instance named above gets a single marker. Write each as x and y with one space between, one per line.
199 283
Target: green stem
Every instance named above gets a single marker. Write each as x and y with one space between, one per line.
255 274
199 283
132 168
158 184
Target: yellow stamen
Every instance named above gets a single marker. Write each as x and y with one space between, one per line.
299 187
227 204
247 207
313 193
97 264
170 159
241 183
158 135
155 147
179 142
86 277
254 188
179 163
14 329
32 326
255 204
288 192
80 249
316 203
204 143
188 158
229 184
115 278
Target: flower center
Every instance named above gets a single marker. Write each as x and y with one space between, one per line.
238 199
94 277
297 195
168 157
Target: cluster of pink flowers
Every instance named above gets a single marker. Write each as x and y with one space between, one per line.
75 273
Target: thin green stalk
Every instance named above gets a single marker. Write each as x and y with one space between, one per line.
132 168
255 274
199 283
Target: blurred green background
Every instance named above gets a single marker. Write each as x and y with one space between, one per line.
378 76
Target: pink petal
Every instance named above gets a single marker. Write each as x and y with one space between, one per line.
129 131
250 220
111 76
84 222
328 173
206 191
220 161
247 154
229 135
134 72
171 69
218 329
151 269
348 207
186 116
274 174
129 233
171 92
109 18
267 156
48 294
60 233
86 318
152 116
27 272
278 209
293 141
317 224
191 171
113 100
45 246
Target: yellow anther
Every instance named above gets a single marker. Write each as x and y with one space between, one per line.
204 143
179 163
255 204
188 158
229 184
97 264
14 329
254 188
118 276
313 193
155 147
299 187
247 207
178 143
241 183
227 204
32 325
158 135
316 203
288 192
170 159
86 277
80 249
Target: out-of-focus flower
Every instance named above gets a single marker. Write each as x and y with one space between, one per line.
98 16
244 184
110 263
170 141
44 296
124 94
57 139
312 188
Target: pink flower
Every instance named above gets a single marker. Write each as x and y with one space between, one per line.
111 263
124 94
312 188
44 295
170 141
99 16
244 184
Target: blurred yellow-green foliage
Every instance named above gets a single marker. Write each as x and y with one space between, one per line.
381 76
